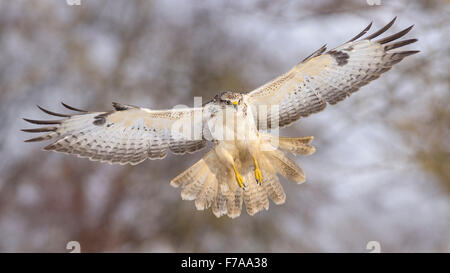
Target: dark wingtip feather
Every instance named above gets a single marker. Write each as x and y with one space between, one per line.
53 113
36 139
42 121
120 107
117 106
50 147
382 30
364 31
73 108
39 130
319 51
403 54
399 44
395 35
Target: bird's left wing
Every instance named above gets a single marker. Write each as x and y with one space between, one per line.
128 134
326 78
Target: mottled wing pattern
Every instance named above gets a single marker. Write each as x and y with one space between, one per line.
327 77
128 134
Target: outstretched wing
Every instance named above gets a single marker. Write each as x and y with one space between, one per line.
128 134
326 78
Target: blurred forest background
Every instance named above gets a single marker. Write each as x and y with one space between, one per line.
382 167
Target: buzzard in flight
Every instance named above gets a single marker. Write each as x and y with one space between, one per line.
242 166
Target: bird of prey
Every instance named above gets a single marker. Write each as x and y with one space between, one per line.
246 157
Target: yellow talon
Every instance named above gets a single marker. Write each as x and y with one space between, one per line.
258 174
239 178
240 181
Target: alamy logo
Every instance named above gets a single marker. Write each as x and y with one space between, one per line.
375 246
74 246
373 2
73 2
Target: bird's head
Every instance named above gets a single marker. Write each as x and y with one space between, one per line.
229 99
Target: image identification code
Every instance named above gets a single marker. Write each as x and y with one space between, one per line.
231 262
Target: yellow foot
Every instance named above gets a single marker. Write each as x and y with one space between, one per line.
239 178
240 181
258 174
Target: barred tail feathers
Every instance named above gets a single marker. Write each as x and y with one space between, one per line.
297 145
210 184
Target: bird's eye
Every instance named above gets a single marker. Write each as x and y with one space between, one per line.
228 102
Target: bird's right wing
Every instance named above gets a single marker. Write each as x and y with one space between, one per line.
128 134
327 77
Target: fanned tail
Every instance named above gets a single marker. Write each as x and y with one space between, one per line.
255 196
297 145
273 188
286 166
211 184
198 183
